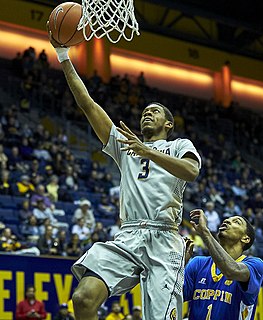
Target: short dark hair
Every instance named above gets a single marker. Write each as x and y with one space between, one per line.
30 286
251 233
168 116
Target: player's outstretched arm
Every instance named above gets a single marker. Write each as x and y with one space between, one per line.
228 266
97 117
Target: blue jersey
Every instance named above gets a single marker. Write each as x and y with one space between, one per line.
212 297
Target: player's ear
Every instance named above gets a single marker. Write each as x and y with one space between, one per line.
168 124
245 239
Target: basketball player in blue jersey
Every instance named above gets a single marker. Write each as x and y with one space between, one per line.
224 286
148 249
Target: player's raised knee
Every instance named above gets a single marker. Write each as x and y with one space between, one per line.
82 299
90 294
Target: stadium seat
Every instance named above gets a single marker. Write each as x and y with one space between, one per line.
18 201
9 216
7 202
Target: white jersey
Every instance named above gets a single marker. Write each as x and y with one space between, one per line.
149 192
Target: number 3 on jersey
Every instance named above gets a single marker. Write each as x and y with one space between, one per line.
145 163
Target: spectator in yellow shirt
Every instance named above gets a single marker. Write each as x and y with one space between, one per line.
115 312
199 246
24 186
8 241
52 188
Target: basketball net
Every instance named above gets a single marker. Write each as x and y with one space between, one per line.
105 17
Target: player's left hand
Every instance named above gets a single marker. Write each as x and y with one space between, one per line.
132 142
199 221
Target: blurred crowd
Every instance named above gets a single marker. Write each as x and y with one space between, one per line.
64 203
31 308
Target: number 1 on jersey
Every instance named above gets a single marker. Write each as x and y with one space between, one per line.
145 169
208 316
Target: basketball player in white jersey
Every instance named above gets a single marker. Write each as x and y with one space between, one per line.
148 249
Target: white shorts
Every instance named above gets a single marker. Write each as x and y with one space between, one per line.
149 254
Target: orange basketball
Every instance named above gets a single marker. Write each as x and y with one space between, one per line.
63 22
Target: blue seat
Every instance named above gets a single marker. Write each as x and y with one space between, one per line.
18 201
79 194
68 207
94 197
9 216
106 222
6 212
4 198
66 218
6 202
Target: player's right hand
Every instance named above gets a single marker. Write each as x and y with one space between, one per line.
199 221
132 142
54 43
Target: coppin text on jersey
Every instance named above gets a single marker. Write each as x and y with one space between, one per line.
210 294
